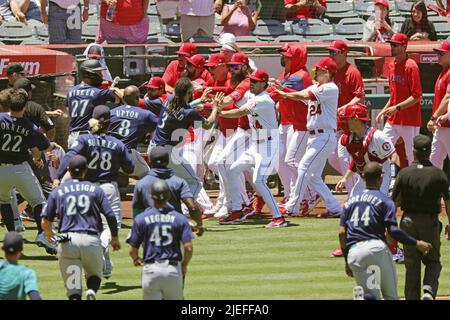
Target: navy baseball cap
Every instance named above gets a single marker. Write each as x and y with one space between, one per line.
77 164
91 65
160 190
159 155
101 112
422 143
14 67
13 242
24 83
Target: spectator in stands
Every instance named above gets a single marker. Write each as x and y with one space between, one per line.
238 18
127 22
229 48
60 12
5 11
378 27
305 9
26 11
418 27
167 9
197 18
272 9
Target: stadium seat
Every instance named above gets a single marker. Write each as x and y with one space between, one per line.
332 37
404 8
269 29
13 32
311 29
350 28
88 33
247 39
217 30
364 9
152 11
42 31
34 40
397 22
173 29
339 10
154 26
442 26
94 10
158 39
202 39
291 38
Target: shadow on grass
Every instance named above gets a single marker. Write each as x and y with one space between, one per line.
116 288
253 223
41 258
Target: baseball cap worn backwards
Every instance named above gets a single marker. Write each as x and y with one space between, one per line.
422 143
12 243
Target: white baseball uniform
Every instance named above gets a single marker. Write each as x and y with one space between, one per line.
321 124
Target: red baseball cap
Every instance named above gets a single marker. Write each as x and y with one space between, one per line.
260 75
239 58
444 47
187 49
284 48
357 111
197 61
338 45
399 38
156 83
215 59
384 3
287 53
327 64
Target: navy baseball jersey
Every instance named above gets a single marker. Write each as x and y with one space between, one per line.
81 101
105 156
78 205
130 124
160 231
170 122
153 105
178 187
17 136
366 215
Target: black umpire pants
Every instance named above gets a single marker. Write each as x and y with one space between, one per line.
426 227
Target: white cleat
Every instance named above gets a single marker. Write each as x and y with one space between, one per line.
214 210
91 295
427 296
358 293
221 213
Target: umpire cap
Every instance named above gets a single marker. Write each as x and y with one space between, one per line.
77 164
91 66
13 242
160 190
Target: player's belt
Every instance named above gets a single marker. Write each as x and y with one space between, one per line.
91 233
263 140
169 262
313 132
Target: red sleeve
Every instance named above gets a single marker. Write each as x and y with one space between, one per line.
207 76
359 84
414 80
352 166
141 104
170 75
312 96
240 90
223 89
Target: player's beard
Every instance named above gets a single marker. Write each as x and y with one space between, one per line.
237 77
188 74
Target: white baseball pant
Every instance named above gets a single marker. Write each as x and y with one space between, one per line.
310 169
360 184
440 147
160 280
340 160
263 157
394 132
284 171
141 167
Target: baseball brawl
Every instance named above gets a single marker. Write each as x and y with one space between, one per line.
278 167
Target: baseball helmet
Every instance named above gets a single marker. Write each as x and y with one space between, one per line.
357 111
90 66
160 190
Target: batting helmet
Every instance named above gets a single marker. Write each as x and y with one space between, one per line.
356 111
160 190
90 66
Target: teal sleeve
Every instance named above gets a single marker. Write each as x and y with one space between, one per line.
30 282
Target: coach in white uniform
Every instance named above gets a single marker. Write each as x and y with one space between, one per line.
321 123
264 144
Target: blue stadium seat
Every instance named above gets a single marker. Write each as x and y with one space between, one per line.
13 32
173 29
350 28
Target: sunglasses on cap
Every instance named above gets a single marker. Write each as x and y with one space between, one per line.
334 52
395 45
235 66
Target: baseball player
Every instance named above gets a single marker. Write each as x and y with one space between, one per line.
438 124
403 106
53 159
130 124
295 77
351 91
79 206
156 95
105 155
180 192
14 71
321 123
364 220
82 98
176 117
161 230
18 135
263 151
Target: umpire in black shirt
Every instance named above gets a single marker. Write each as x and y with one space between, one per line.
418 190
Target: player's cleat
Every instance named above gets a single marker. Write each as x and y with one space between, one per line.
233 217
358 293
398 257
329 214
277 223
25 215
337 253
42 241
222 213
247 211
18 225
214 210
427 296
314 201
258 203
91 295
206 216
285 212
107 268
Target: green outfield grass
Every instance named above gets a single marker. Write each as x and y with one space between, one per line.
242 261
